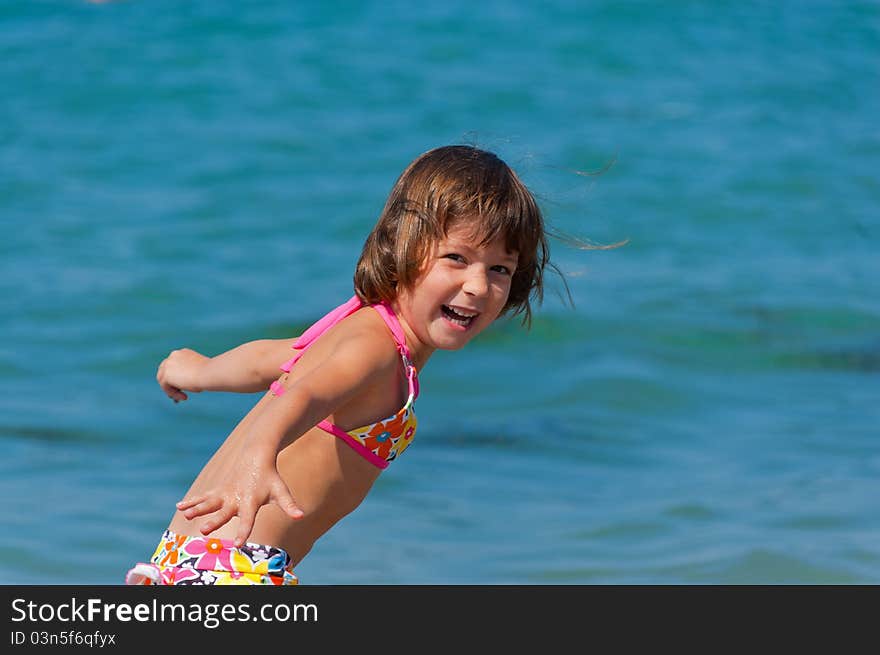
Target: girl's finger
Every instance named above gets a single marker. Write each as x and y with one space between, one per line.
218 519
205 507
247 513
189 502
174 393
284 499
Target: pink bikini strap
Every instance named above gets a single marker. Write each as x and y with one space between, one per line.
384 310
332 318
344 310
328 321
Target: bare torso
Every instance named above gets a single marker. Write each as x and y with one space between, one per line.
327 478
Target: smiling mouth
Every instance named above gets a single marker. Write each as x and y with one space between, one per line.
459 318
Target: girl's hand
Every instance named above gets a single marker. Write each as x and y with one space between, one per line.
254 483
180 372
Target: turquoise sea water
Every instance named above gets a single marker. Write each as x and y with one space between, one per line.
200 174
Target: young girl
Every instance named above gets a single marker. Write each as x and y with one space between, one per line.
459 243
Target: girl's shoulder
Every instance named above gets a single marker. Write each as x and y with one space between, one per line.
363 336
356 363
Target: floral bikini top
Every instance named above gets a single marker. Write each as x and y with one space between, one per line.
381 442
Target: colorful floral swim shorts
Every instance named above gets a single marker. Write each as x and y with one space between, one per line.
182 560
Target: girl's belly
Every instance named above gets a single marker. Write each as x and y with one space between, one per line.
327 479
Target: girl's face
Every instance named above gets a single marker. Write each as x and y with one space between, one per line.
462 288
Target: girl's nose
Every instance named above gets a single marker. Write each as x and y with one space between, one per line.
476 284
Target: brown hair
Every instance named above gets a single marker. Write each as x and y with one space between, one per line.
439 189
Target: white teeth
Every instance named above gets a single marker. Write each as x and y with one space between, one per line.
458 317
461 313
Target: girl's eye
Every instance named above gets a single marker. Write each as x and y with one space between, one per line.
501 269
454 257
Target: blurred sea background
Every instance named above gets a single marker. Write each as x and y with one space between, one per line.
202 174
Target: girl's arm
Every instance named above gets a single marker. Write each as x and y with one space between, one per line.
247 368
251 479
